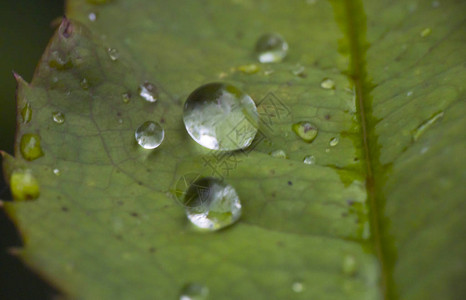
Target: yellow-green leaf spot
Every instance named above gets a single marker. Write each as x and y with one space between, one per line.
305 130
30 146
26 113
24 185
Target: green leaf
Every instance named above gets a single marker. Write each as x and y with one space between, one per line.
379 215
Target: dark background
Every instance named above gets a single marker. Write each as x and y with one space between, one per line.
25 29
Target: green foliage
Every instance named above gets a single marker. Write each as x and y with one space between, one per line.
378 214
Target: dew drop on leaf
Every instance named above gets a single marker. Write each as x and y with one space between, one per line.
149 135
59 61
24 185
26 113
305 130
278 154
220 116
58 117
126 97
211 204
297 287
194 291
92 17
334 141
56 172
271 48
309 160
84 84
349 266
298 70
30 146
148 92
113 54
419 131
327 84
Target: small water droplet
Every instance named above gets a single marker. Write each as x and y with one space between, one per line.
220 116
327 150
84 84
59 61
56 172
435 4
30 146
26 113
271 48
409 94
309 160
92 17
58 117
426 32
113 54
267 72
249 69
297 287
120 121
328 84
426 125
334 141
149 135
279 154
311 2
126 97
211 204
298 70
194 291
305 130
349 266
23 185
148 91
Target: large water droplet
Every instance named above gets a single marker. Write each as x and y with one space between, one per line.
30 146
279 154
212 204
149 135
24 185
328 84
305 130
271 48
334 141
26 113
194 291
148 91
113 54
220 116
58 117
309 160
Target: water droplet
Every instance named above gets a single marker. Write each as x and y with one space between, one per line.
279 154
149 135
220 116
309 160
113 54
24 185
435 4
311 2
426 32
58 117
426 125
126 97
92 17
267 72
298 70
212 204
148 91
194 291
249 69
349 266
297 287
305 130
30 146
26 113
56 172
328 84
409 94
59 61
334 141
84 84
271 48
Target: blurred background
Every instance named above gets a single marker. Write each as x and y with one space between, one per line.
25 29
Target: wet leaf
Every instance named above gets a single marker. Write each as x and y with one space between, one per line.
378 214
